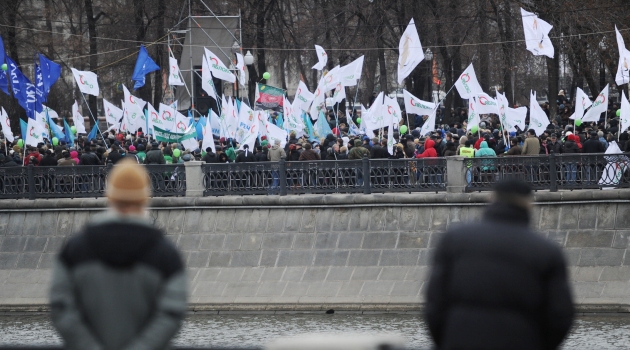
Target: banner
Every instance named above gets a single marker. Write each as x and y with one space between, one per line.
162 135
473 115
391 111
51 72
537 35
322 57
486 104
319 101
582 102
4 80
112 113
35 133
409 51
269 97
616 167
240 65
206 79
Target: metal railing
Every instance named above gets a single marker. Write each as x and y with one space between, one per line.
81 181
328 176
553 172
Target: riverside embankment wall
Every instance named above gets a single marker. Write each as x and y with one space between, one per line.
349 252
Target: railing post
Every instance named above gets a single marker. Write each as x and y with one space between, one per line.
194 179
31 182
282 176
553 174
456 174
367 176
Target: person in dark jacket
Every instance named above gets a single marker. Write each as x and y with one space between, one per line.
593 145
89 157
49 159
119 283
261 155
309 153
114 155
497 284
210 157
379 151
245 155
294 152
155 155
553 145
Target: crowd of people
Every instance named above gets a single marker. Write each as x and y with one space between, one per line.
560 137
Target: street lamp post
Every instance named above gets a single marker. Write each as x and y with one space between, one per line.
249 60
235 48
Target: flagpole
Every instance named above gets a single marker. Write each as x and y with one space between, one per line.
94 119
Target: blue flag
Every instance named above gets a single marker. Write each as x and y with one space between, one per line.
93 132
4 81
23 89
39 89
144 66
51 72
23 128
68 133
309 127
199 127
56 130
280 121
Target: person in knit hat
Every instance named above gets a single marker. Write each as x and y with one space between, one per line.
119 283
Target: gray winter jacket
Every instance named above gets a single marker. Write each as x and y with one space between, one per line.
118 284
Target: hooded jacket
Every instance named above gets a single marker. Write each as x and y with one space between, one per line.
245 156
275 153
118 284
485 151
75 155
429 150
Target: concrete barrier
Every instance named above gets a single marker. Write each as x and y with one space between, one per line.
345 252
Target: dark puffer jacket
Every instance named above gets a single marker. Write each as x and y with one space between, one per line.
498 285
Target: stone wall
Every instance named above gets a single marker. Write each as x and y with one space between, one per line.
363 252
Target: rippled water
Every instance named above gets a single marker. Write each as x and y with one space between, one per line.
590 332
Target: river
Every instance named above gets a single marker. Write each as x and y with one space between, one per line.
204 330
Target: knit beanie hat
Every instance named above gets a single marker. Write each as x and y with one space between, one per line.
128 182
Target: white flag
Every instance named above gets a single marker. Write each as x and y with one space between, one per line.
516 117
582 102
624 117
339 94
240 65
154 117
208 139
599 106
303 97
77 119
215 123
538 120
167 118
206 79
623 69
219 70
174 76
374 118
414 105
409 51
6 125
351 73
486 104
190 143
365 116
322 57
332 78
51 113
391 112
429 124
473 114
275 133
182 123
246 123
467 84
537 35
319 101
502 105
112 113
134 111
35 133
87 82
